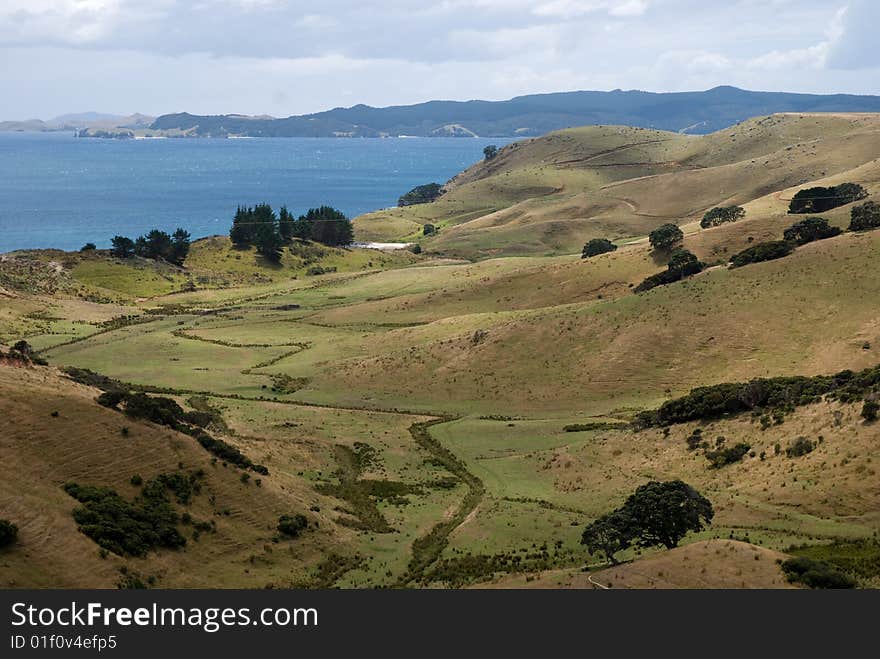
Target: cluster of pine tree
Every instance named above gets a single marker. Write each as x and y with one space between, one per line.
157 245
269 233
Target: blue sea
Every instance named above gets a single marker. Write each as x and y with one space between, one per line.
59 191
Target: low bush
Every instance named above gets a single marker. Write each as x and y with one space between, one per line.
727 456
704 403
819 199
718 216
8 532
865 217
870 410
682 264
598 246
768 251
292 525
421 194
123 527
816 574
800 447
810 230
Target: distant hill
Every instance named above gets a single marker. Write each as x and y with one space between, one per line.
79 121
686 112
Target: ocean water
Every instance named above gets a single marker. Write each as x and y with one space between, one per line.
59 191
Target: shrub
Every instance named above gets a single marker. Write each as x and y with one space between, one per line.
598 246
320 270
421 194
809 230
8 532
665 237
865 217
681 264
158 409
820 199
490 152
416 249
727 456
292 525
800 447
111 398
429 229
768 251
88 247
126 528
23 348
718 216
718 400
816 574
870 410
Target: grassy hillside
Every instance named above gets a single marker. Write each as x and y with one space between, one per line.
549 195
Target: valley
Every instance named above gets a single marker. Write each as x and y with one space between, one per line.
456 417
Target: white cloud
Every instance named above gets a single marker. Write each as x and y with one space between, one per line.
293 56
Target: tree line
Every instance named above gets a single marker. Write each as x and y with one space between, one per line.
260 227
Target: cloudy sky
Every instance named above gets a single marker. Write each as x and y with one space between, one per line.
285 57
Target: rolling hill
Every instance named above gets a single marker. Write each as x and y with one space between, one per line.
551 194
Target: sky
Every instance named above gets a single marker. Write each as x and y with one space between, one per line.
284 57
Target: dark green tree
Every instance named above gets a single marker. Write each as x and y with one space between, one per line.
292 525
769 251
329 226
88 247
179 246
421 194
597 246
286 224
154 245
429 230
8 532
870 410
683 263
664 512
490 152
266 236
666 237
242 232
122 247
809 230
609 534
821 199
865 217
23 348
720 215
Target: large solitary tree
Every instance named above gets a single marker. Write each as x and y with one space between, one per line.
664 512
657 513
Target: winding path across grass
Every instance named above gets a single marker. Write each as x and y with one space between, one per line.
427 549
